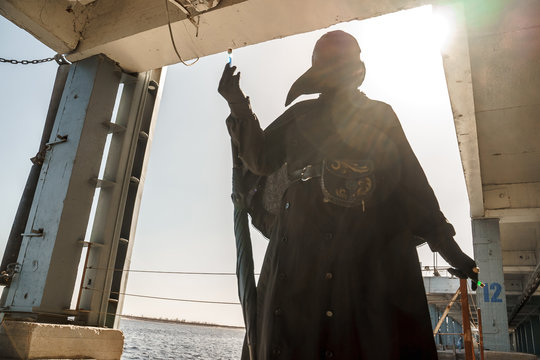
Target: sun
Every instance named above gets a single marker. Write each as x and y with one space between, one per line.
441 21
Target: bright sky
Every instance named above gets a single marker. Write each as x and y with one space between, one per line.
185 223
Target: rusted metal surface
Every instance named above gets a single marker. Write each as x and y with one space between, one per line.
467 334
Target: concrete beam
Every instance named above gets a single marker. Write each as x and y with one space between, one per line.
507 196
508 136
29 340
457 69
518 269
525 215
513 258
134 33
144 42
440 285
57 24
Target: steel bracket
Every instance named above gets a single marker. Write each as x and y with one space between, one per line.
102 183
113 127
34 233
61 139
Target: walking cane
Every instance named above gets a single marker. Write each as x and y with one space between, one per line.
247 291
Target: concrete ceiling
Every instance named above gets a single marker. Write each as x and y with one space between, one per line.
135 33
492 68
493 74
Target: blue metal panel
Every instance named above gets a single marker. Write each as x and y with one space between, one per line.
51 249
434 315
451 329
535 324
528 336
459 329
521 340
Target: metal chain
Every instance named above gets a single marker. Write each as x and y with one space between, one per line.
26 62
59 58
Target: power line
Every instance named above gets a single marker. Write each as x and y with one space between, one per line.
164 298
167 272
181 300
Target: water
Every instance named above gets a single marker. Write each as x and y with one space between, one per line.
156 340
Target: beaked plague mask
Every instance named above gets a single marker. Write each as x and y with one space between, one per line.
335 65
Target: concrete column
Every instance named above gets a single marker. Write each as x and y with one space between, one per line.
492 298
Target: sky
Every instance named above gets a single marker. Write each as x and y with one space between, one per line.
185 221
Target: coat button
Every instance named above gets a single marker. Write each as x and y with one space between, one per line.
328 236
282 276
328 276
287 205
276 351
277 312
284 239
328 354
329 313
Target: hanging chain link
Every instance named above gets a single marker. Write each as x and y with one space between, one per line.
26 62
59 58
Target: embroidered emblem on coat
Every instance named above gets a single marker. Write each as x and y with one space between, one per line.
347 182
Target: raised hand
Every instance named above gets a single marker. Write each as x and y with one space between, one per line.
229 86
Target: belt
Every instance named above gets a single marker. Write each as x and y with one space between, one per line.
306 173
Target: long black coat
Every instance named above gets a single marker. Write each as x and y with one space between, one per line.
339 282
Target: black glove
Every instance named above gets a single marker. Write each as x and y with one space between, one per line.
465 267
460 274
229 88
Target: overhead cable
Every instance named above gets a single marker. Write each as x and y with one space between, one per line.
166 272
172 37
164 298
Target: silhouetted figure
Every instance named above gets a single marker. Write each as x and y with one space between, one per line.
334 184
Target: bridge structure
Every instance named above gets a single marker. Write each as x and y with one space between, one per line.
492 69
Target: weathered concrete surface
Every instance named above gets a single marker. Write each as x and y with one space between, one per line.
489 355
28 340
135 34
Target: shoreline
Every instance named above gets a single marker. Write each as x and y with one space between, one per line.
176 321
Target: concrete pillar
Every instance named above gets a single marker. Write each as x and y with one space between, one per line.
492 298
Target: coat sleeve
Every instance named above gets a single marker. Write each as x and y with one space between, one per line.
424 216
262 152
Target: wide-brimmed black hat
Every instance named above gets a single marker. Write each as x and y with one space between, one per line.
335 60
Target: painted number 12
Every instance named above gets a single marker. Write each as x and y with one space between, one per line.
496 288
